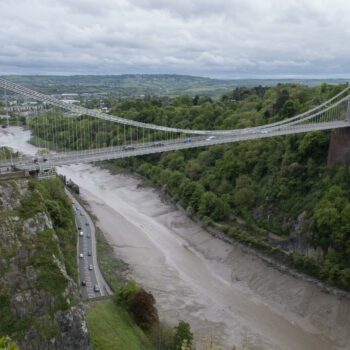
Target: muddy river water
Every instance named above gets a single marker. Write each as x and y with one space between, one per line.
215 286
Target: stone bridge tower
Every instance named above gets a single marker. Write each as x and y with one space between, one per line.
339 146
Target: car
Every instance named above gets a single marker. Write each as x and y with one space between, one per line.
210 138
83 283
188 140
81 233
128 148
96 288
86 224
264 131
45 159
79 228
81 255
88 236
91 267
89 253
35 160
158 144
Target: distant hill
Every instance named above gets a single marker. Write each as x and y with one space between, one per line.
144 84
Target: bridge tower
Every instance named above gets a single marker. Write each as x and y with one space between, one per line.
339 146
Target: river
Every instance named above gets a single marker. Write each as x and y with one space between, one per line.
215 286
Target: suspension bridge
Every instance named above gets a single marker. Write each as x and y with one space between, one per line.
83 135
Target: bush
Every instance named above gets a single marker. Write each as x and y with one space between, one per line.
126 293
183 337
7 344
142 307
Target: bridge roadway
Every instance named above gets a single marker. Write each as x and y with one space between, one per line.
131 150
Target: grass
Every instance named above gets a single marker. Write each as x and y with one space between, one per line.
111 328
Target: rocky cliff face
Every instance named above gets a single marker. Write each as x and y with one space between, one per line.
39 303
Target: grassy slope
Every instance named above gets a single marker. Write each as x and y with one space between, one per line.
111 328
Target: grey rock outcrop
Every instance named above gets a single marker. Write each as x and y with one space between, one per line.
40 314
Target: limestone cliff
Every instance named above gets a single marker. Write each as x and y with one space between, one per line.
39 302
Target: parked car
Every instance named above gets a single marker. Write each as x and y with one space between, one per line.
79 228
81 233
81 255
96 288
83 283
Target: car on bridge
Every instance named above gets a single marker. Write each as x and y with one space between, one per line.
158 144
128 148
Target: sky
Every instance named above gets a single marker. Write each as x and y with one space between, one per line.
213 38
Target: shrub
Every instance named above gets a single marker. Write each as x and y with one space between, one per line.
142 307
126 292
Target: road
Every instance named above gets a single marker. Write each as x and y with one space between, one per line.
117 152
87 247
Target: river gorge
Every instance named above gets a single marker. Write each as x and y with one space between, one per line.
217 287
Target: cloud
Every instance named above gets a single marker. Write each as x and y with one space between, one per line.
206 37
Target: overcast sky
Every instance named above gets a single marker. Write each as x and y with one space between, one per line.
215 38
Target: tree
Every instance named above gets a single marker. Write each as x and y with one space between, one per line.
126 293
314 144
7 344
142 308
289 109
212 206
326 221
183 337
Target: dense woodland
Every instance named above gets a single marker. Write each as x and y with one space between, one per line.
250 190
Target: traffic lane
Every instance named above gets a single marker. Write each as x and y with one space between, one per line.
84 246
104 287
90 275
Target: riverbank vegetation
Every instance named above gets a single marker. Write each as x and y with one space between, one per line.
275 194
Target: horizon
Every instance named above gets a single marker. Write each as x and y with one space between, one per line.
269 77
